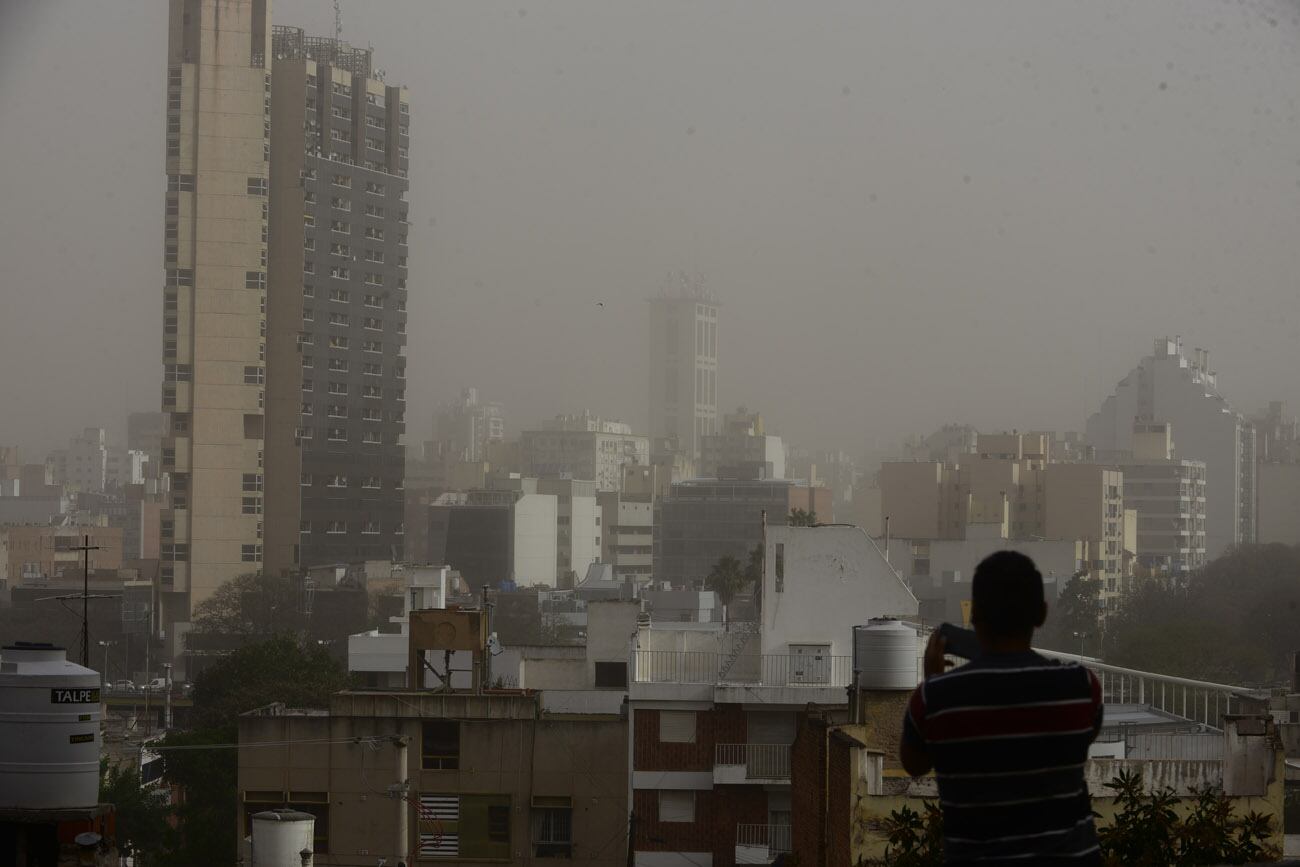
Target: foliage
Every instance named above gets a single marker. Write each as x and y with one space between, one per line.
283 669
727 579
1074 620
915 840
300 674
801 518
141 816
253 605
1147 831
1193 628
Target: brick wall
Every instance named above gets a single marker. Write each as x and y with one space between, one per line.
882 717
839 800
807 788
717 813
725 724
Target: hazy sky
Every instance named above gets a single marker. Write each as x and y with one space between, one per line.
912 212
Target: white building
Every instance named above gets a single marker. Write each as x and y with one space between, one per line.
627 525
736 692
584 447
380 657
497 535
684 367
577 524
1168 386
1168 495
126 467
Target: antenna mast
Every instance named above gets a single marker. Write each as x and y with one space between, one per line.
338 21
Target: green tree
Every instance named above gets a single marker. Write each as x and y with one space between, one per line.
1073 621
141 816
801 518
727 579
284 669
252 606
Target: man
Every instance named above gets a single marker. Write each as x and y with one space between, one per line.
1007 734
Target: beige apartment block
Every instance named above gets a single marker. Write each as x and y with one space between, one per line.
218 123
1086 502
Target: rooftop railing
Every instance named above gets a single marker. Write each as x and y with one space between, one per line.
686 666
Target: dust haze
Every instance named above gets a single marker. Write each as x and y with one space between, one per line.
912 213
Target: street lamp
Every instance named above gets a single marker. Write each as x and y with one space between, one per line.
1082 636
104 674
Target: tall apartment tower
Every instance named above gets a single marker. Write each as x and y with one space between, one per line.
1170 386
214 296
336 314
684 366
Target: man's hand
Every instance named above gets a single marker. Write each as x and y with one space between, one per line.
935 663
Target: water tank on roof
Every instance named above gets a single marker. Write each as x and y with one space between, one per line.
50 715
884 654
280 836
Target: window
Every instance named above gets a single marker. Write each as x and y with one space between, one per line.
372 187
369 369
371 346
340 250
552 827
375 211
252 482
375 256
251 506
374 279
336 435
337 410
373 323
179 551
257 186
254 375
338 388
337 482
338 365
340 203
250 553
676 726
371 391
338 341
307 384
341 226
178 373
308 315
373 301
304 527
305 480
440 745
340 295
611 675
340 180
308 362
370 528
370 437
374 234
371 414
335 528
180 183
676 805
254 279
340 272
371 483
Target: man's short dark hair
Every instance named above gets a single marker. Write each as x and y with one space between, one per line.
1007 593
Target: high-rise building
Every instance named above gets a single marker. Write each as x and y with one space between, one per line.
214 297
1169 386
584 447
463 431
336 313
742 449
684 366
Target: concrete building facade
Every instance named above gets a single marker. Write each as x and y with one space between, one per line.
627 524
684 367
584 447
1171 386
336 317
218 117
497 535
742 447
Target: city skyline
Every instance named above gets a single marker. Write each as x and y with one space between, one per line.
822 260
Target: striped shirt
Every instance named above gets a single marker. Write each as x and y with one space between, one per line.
1009 735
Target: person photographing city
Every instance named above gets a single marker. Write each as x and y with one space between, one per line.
1007 734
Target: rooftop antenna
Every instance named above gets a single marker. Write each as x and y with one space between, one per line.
338 21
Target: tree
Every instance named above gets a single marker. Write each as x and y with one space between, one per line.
801 518
727 579
141 817
285 669
252 606
1074 618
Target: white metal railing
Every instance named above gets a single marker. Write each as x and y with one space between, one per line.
760 761
687 666
1198 701
775 838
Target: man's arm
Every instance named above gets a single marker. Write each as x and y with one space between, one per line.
916 760
912 751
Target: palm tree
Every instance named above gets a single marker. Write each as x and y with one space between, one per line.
727 579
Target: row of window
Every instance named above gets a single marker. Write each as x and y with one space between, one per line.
338 410
369 483
368 391
340 435
341 365
340 528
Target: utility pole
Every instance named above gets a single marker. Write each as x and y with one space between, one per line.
85 548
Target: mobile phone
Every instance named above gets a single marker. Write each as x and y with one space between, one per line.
960 642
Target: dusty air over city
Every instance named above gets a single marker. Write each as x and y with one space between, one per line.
661 434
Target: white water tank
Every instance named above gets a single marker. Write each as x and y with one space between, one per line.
50 740
884 654
280 836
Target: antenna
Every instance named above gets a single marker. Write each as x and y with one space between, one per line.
338 21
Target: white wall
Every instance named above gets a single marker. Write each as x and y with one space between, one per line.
584 534
835 578
534 539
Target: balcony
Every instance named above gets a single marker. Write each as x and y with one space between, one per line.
761 844
737 764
